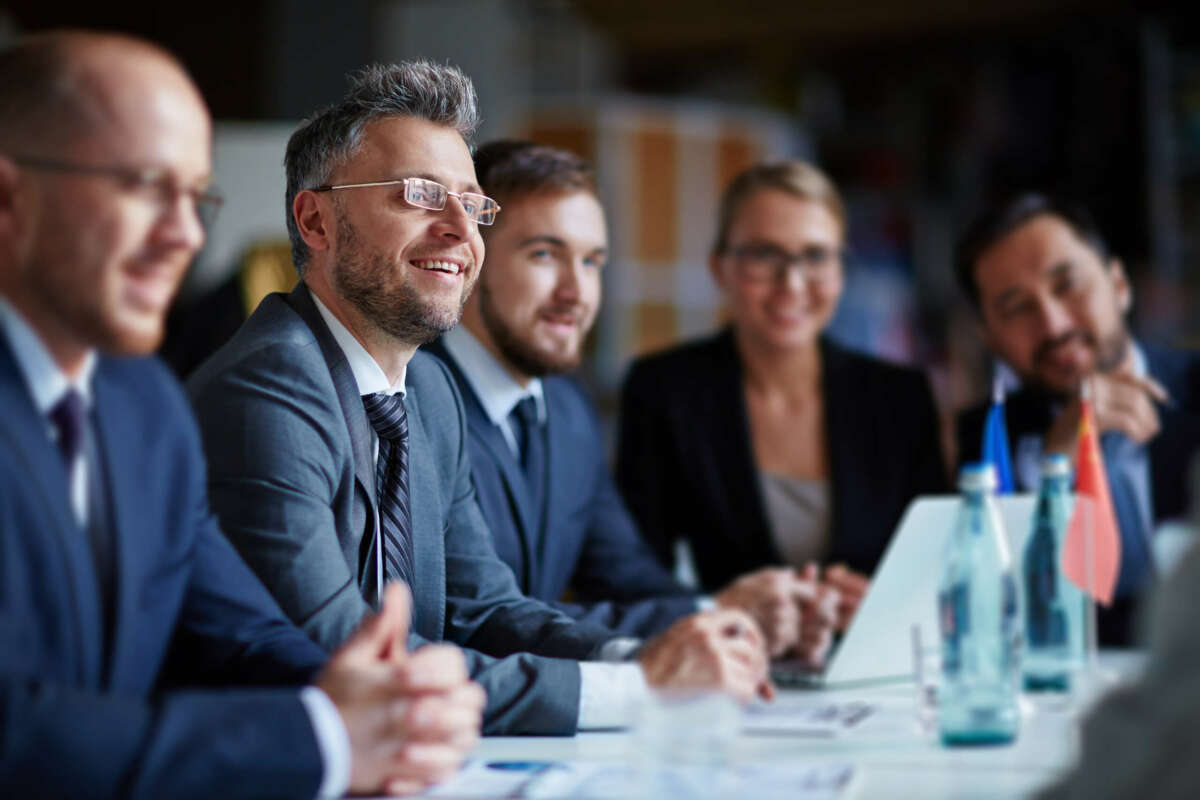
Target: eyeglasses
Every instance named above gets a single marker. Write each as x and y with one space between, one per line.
155 186
431 195
760 263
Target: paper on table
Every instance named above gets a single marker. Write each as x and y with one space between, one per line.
541 780
805 717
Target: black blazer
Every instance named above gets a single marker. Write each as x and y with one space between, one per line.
1029 411
686 463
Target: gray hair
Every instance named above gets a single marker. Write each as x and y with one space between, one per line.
439 93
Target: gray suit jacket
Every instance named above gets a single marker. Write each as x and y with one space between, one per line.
1141 741
292 478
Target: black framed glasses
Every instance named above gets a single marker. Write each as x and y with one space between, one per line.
156 186
431 195
760 263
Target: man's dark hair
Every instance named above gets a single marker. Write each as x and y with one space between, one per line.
510 168
1001 220
438 93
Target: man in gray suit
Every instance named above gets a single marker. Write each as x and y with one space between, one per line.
338 452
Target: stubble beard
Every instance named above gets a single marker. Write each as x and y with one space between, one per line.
523 355
393 307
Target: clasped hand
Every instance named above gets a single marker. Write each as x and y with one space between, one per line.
411 717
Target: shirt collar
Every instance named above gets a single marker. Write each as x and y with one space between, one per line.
368 375
46 381
496 389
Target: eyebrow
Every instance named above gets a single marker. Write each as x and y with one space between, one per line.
543 238
473 188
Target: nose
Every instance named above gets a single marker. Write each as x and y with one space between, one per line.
453 222
180 225
1054 317
792 279
569 277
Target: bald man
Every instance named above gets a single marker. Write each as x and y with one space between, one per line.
115 582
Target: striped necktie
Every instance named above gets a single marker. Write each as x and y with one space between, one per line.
390 421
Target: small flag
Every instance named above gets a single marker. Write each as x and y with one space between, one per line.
1099 577
995 440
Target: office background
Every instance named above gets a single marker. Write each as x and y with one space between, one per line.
921 110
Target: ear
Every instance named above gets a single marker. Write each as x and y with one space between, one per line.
1122 288
314 219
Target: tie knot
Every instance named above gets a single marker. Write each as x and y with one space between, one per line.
68 418
526 411
387 415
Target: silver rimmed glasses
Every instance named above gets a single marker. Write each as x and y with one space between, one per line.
156 186
431 195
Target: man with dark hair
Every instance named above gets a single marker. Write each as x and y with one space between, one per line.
1052 300
118 589
337 451
537 454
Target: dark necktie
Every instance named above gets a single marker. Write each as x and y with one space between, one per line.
532 446
390 421
68 416
70 419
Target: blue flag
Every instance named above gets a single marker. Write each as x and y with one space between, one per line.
995 441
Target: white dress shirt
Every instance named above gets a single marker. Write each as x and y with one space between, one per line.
47 383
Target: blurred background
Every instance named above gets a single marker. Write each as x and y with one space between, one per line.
921 110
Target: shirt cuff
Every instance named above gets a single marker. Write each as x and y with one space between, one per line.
332 740
610 694
706 602
618 649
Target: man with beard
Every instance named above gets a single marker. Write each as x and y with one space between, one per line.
126 619
337 452
1052 300
537 453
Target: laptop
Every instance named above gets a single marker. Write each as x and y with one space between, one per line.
878 647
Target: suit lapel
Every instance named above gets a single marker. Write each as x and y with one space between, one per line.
728 425
357 425
26 430
115 425
843 423
347 389
428 536
511 474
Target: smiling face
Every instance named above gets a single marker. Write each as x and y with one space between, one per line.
1052 310
104 259
408 271
540 288
792 310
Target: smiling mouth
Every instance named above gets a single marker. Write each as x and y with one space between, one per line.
438 265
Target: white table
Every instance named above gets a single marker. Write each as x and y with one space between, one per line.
893 757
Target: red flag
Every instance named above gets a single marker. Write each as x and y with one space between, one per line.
1091 486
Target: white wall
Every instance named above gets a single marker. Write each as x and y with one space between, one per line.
248 169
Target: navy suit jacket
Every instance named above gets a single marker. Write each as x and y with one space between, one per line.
585 539
79 718
292 478
686 464
1031 412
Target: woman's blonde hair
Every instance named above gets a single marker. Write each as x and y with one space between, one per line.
797 178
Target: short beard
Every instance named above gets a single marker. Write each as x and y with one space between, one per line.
394 308
523 356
